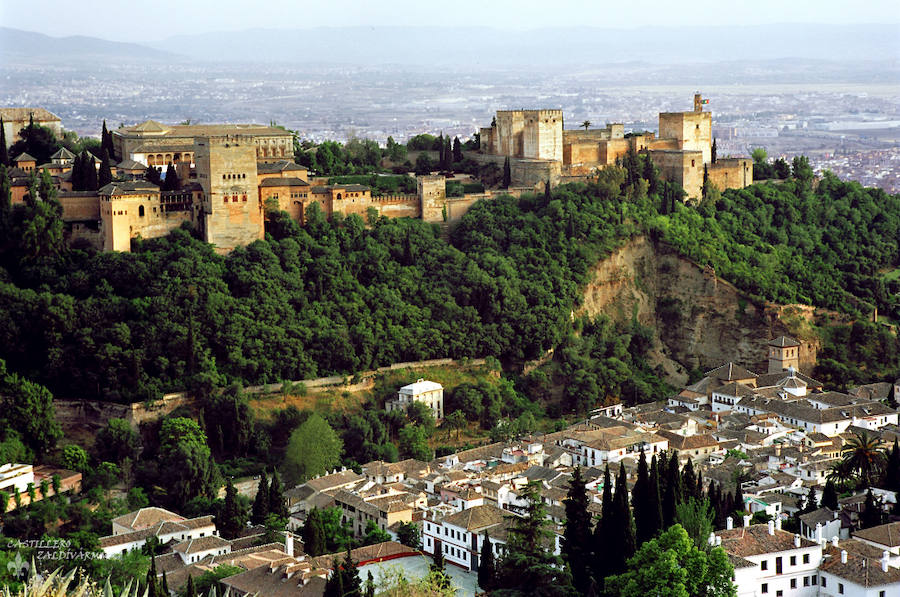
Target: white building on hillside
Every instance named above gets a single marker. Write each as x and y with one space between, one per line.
429 393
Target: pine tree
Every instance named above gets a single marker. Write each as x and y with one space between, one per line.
487 570
507 174
105 175
830 496
576 542
811 503
529 567
230 518
277 504
261 502
4 153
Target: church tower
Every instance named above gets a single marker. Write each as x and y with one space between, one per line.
784 353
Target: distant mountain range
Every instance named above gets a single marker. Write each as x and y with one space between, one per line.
27 46
482 46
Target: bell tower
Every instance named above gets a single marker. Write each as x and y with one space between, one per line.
784 353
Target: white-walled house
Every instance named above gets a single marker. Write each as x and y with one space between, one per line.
131 531
460 536
846 574
429 393
771 562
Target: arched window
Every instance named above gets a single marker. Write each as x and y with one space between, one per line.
339 196
692 163
141 211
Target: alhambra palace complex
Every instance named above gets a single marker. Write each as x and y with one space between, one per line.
231 172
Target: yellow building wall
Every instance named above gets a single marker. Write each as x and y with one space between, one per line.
731 173
692 130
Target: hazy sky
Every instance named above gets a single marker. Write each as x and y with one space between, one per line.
157 19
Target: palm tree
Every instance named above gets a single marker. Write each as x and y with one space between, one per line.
863 455
840 473
586 124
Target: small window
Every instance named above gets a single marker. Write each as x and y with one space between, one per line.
793 583
805 581
824 581
765 588
764 565
806 558
840 588
793 560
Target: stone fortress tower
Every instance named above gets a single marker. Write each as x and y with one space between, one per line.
232 214
784 353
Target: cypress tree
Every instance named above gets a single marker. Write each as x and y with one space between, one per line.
487 568
739 498
105 175
314 540
601 545
440 144
871 515
153 589
621 537
699 488
507 174
654 507
90 172
892 469
640 502
673 493
191 591
165 585
370 585
171 183
547 195
714 151
5 203
276 497
152 175
576 542
4 154
829 496
438 569
76 176
106 142
261 502
230 523
689 480
457 150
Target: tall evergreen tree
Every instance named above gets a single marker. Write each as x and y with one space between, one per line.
640 502
529 566
171 183
892 469
601 546
654 505
4 153
106 142
738 498
261 502
441 157
164 586
811 502
277 505
105 175
621 527
191 591
576 542
438 569
88 172
457 150
370 585
487 569
507 174
5 203
229 522
152 175
830 496
872 515
673 492
714 151
315 542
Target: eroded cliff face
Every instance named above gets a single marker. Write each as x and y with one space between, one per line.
699 320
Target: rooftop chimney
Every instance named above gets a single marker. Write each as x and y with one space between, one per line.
718 541
729 523
747 519
712 539
885 558
796 540
778 523
834 541
771 527
288 543
843 556
818 531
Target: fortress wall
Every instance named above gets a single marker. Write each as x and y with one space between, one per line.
731 173
80 208
683 167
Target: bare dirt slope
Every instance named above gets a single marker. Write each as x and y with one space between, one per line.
700 320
